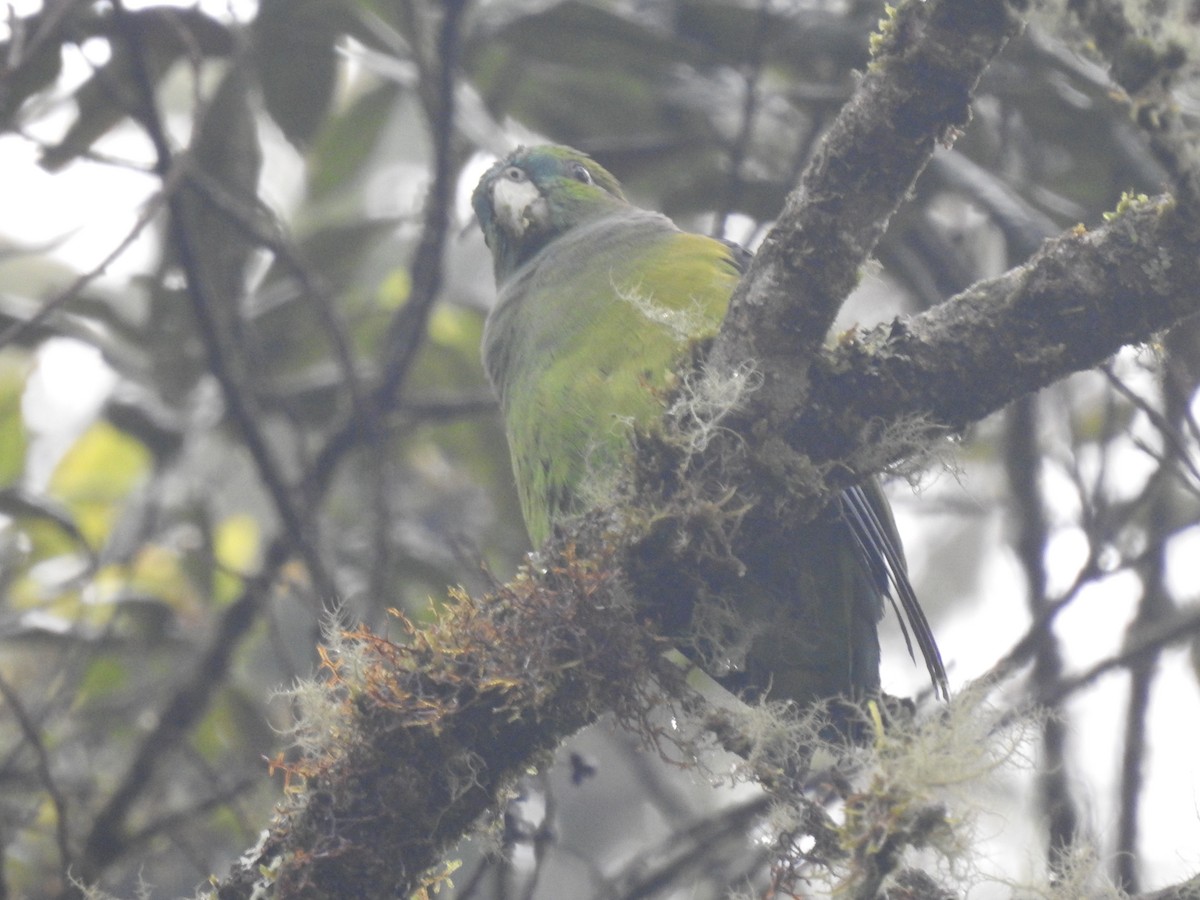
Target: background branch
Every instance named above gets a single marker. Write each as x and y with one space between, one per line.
1079 299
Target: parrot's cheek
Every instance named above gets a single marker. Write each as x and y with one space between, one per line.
519 206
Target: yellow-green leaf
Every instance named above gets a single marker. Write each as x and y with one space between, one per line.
12 427
96 475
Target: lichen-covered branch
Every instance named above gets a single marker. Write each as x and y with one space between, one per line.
927 60
1081 298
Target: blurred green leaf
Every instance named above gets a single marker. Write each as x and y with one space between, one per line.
343 146
449 359
227 152
155 576
284 32
177 355
336 252
236 542
96 475
236 546
818 43
27 73
234 724
580 72
290 332
13 443
105 676
36 513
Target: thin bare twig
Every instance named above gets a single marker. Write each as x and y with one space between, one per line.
741 144
236 397
650 872
1026 647
171 181
181 818
1022 459
1155 602
108 838
1170 433
1148 73
1149 642
1141 672
29 729
51 16
407 331
312 285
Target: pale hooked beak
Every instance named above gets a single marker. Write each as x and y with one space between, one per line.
518 205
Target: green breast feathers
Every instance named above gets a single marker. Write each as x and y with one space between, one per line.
578 360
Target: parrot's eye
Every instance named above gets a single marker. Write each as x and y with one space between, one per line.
513 173
580 173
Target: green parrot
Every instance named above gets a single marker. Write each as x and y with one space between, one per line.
599 304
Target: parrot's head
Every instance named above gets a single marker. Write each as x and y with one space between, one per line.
535 194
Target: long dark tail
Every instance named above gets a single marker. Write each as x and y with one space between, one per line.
877 549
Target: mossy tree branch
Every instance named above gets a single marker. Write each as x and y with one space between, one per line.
405 745
927 60
1081 298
